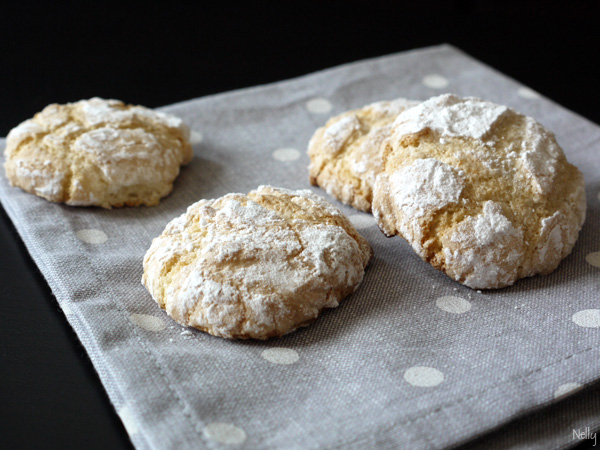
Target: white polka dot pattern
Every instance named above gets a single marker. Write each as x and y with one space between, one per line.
66 308
224 433
452 304
525 92
196 137
588 318
319 105
286 154
128 421
147 322
92 236
435 81
362 221
422 376
593 259
280 355
566 389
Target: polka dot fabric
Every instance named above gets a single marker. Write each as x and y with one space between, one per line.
196 137
225 433
280 355
593 259
92 236
286 154
453 304
410 360
147 322
435 81
588 318
564 390
420 376
319 105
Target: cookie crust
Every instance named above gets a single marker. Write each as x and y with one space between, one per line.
345 154
97 153
481 192
255 266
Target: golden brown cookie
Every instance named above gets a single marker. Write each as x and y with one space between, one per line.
481 192
97 152
345 154
257 265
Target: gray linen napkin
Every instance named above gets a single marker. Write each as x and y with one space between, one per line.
411 360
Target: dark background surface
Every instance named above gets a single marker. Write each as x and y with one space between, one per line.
50 395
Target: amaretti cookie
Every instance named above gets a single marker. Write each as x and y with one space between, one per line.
97 152
481 192
345 154
255 266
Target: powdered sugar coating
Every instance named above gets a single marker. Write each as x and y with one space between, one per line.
416 191
25 130
337 135
46 182
452 116
108 148
540 154
97 152
345 154
255 266
551 236
97 111
486 249
507 204
425 185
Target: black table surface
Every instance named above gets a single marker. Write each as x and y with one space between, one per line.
50 394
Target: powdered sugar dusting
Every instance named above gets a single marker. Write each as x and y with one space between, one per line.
250 262
540 154
217 299
360 166
107 145
53 116
108 148
46 183
97 111
137 156
488 227
507 158
425 186
551 236
23 131
367 159
338 133
487 247
324 245
391 108
449 115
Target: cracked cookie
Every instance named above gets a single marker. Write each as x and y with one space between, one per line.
97 153
255 266
345 154
479 191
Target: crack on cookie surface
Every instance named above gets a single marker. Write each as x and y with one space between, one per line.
348 171
57 129
515 164
253 260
